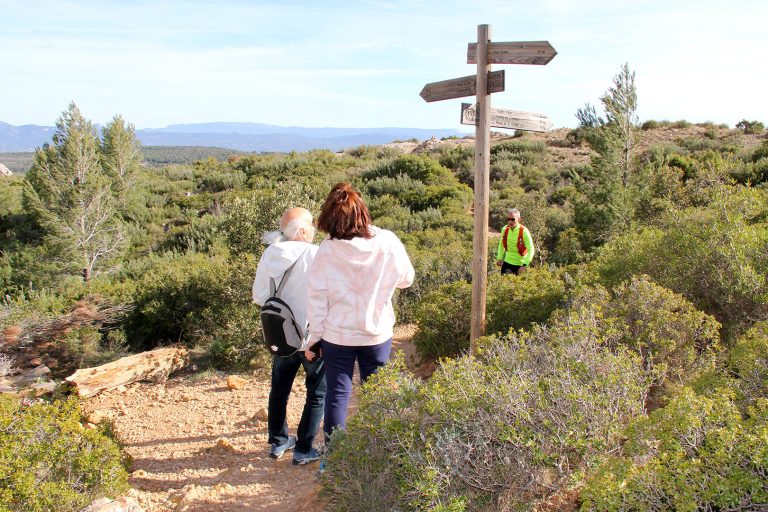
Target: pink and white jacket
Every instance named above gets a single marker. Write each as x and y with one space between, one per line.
351 283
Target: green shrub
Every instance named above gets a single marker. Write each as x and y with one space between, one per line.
717 257
501 432
748 362
518 147
48 461
568 248
249 217
676 342
439 257
460 160
697 453
750 127
417 167
651 124
443 316
188 298
761 152
517 302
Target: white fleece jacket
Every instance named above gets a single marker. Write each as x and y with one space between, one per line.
273 263
351 283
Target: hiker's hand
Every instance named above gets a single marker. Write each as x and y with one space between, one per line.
499 263
315 351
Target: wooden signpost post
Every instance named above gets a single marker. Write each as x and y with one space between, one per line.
484 53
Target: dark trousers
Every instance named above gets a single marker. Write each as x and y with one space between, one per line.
508 268
339 365
284 371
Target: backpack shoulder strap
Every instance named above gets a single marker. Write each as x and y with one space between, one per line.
276 293
504 237
282 280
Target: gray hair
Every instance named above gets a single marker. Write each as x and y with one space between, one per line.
290 231
514 211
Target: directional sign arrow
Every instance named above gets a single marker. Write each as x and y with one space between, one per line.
460 87
511 119
522 52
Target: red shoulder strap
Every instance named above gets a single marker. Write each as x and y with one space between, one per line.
504 237
521 248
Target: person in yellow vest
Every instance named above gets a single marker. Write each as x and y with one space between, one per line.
516 249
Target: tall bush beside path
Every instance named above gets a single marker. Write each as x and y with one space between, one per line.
697 453
48 461
502 431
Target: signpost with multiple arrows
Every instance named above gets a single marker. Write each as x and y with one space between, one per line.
482 85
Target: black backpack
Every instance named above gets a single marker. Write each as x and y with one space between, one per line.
282 335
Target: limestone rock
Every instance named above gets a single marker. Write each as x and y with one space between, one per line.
43 388
262 414
225 445
124 504
99 415
234 382
4 171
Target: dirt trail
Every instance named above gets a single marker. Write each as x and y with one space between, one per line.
198 447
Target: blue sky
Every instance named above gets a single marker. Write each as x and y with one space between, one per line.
363 63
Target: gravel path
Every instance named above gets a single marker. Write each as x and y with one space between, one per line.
198 446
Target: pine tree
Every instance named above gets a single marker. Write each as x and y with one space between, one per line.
607 202
120 154
70 195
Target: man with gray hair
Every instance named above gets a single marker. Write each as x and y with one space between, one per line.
515 250
292 247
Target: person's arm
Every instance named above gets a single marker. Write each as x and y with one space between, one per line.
500 249
528 241
317 299
403 266
260 288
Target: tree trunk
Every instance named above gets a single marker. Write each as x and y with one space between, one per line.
154 366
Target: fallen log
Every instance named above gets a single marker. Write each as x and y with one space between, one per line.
154 366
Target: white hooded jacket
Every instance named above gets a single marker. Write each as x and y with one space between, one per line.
351 285
273 263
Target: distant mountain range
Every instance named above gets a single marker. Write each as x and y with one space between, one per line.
241 136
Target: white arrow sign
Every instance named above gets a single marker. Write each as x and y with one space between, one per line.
510 119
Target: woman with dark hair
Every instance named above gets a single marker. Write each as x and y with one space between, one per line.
351 282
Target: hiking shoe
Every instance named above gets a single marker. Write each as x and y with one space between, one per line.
301 458
277 450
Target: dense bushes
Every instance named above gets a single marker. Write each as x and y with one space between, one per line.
514 302
493 433
717 258
540 406
518 302
748 363
48 461
195 299
675 341
697 453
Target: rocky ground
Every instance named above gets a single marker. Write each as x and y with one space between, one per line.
199 446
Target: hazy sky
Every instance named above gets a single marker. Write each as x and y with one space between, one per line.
363 63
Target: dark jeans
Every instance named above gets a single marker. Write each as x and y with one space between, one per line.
339 365
508 268
284 371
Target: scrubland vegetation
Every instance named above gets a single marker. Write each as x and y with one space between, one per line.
626 370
